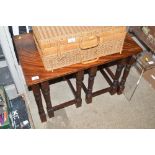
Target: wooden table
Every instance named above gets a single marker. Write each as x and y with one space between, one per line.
37 77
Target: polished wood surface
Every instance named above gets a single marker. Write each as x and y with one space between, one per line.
32 64
117 75
92 74
79 79
46 93
37 96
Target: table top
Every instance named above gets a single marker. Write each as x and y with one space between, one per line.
32 65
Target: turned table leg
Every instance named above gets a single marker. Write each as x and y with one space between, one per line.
37 95
46 93
121 87
92 74
79 79
118 72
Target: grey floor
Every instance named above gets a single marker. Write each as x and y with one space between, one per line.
106 111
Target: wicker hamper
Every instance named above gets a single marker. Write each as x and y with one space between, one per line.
61 46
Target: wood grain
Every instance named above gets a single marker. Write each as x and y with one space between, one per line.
32 64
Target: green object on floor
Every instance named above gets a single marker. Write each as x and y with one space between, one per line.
4 117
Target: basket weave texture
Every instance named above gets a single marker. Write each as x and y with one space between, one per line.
61 46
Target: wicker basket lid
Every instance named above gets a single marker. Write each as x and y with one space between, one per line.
51 36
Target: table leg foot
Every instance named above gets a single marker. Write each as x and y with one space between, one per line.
78 103
88 99
38 99
50 113
92 74
43 117
46 93
79 79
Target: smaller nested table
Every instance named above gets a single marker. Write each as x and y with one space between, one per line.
38 78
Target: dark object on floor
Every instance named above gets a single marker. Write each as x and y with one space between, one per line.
1 54
19 115
5 76
1 104
4 119
1 100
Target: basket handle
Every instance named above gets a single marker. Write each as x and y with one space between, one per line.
90 61
85 48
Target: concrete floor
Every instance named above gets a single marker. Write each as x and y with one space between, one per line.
106 111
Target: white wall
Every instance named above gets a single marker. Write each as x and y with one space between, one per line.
9 53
